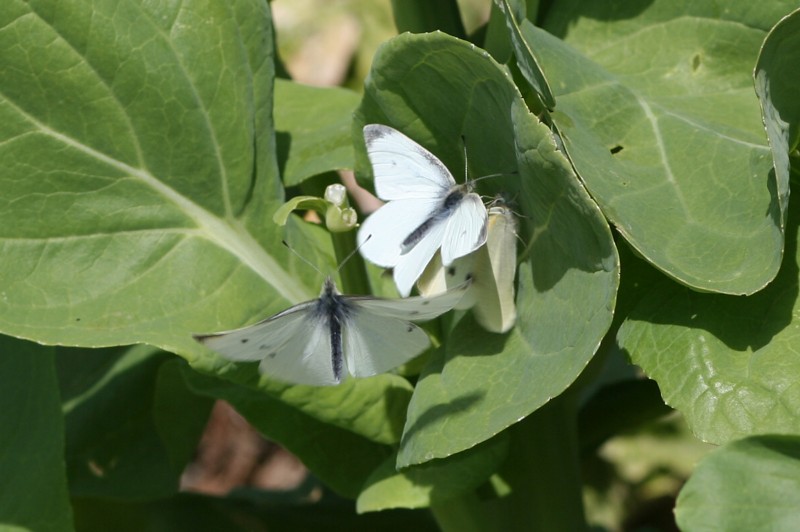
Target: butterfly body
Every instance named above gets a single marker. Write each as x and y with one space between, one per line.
334 310
322 341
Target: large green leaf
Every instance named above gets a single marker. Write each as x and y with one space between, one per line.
750 484
656 109
34 494
489 381
138 179
127 163
131 428
776 86
727 363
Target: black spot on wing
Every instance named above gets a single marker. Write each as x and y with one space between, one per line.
244 340
409 328
272 355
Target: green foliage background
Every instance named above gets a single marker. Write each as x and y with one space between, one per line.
650 147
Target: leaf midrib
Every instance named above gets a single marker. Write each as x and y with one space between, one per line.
228 233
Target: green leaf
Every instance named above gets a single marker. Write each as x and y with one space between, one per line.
657 113
34 494
727 363
776 86
340 458
571 256
526 58
139 181
131 428
313 129
433 482
750 484
136 164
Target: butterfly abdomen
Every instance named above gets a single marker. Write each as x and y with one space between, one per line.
441 214
334 310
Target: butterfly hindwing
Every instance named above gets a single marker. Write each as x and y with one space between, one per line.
382 233
306 359
466 229
408 270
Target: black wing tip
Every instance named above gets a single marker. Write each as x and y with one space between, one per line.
373 132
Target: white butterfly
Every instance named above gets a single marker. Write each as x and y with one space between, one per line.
321 341
426 210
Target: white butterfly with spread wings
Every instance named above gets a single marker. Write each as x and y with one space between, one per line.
426 209
322 341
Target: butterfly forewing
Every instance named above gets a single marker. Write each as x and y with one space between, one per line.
256 341
414 308
403 169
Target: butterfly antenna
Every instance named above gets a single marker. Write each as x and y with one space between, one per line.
299 256
349 255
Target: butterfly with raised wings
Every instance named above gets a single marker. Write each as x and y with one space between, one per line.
322 341
426 209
